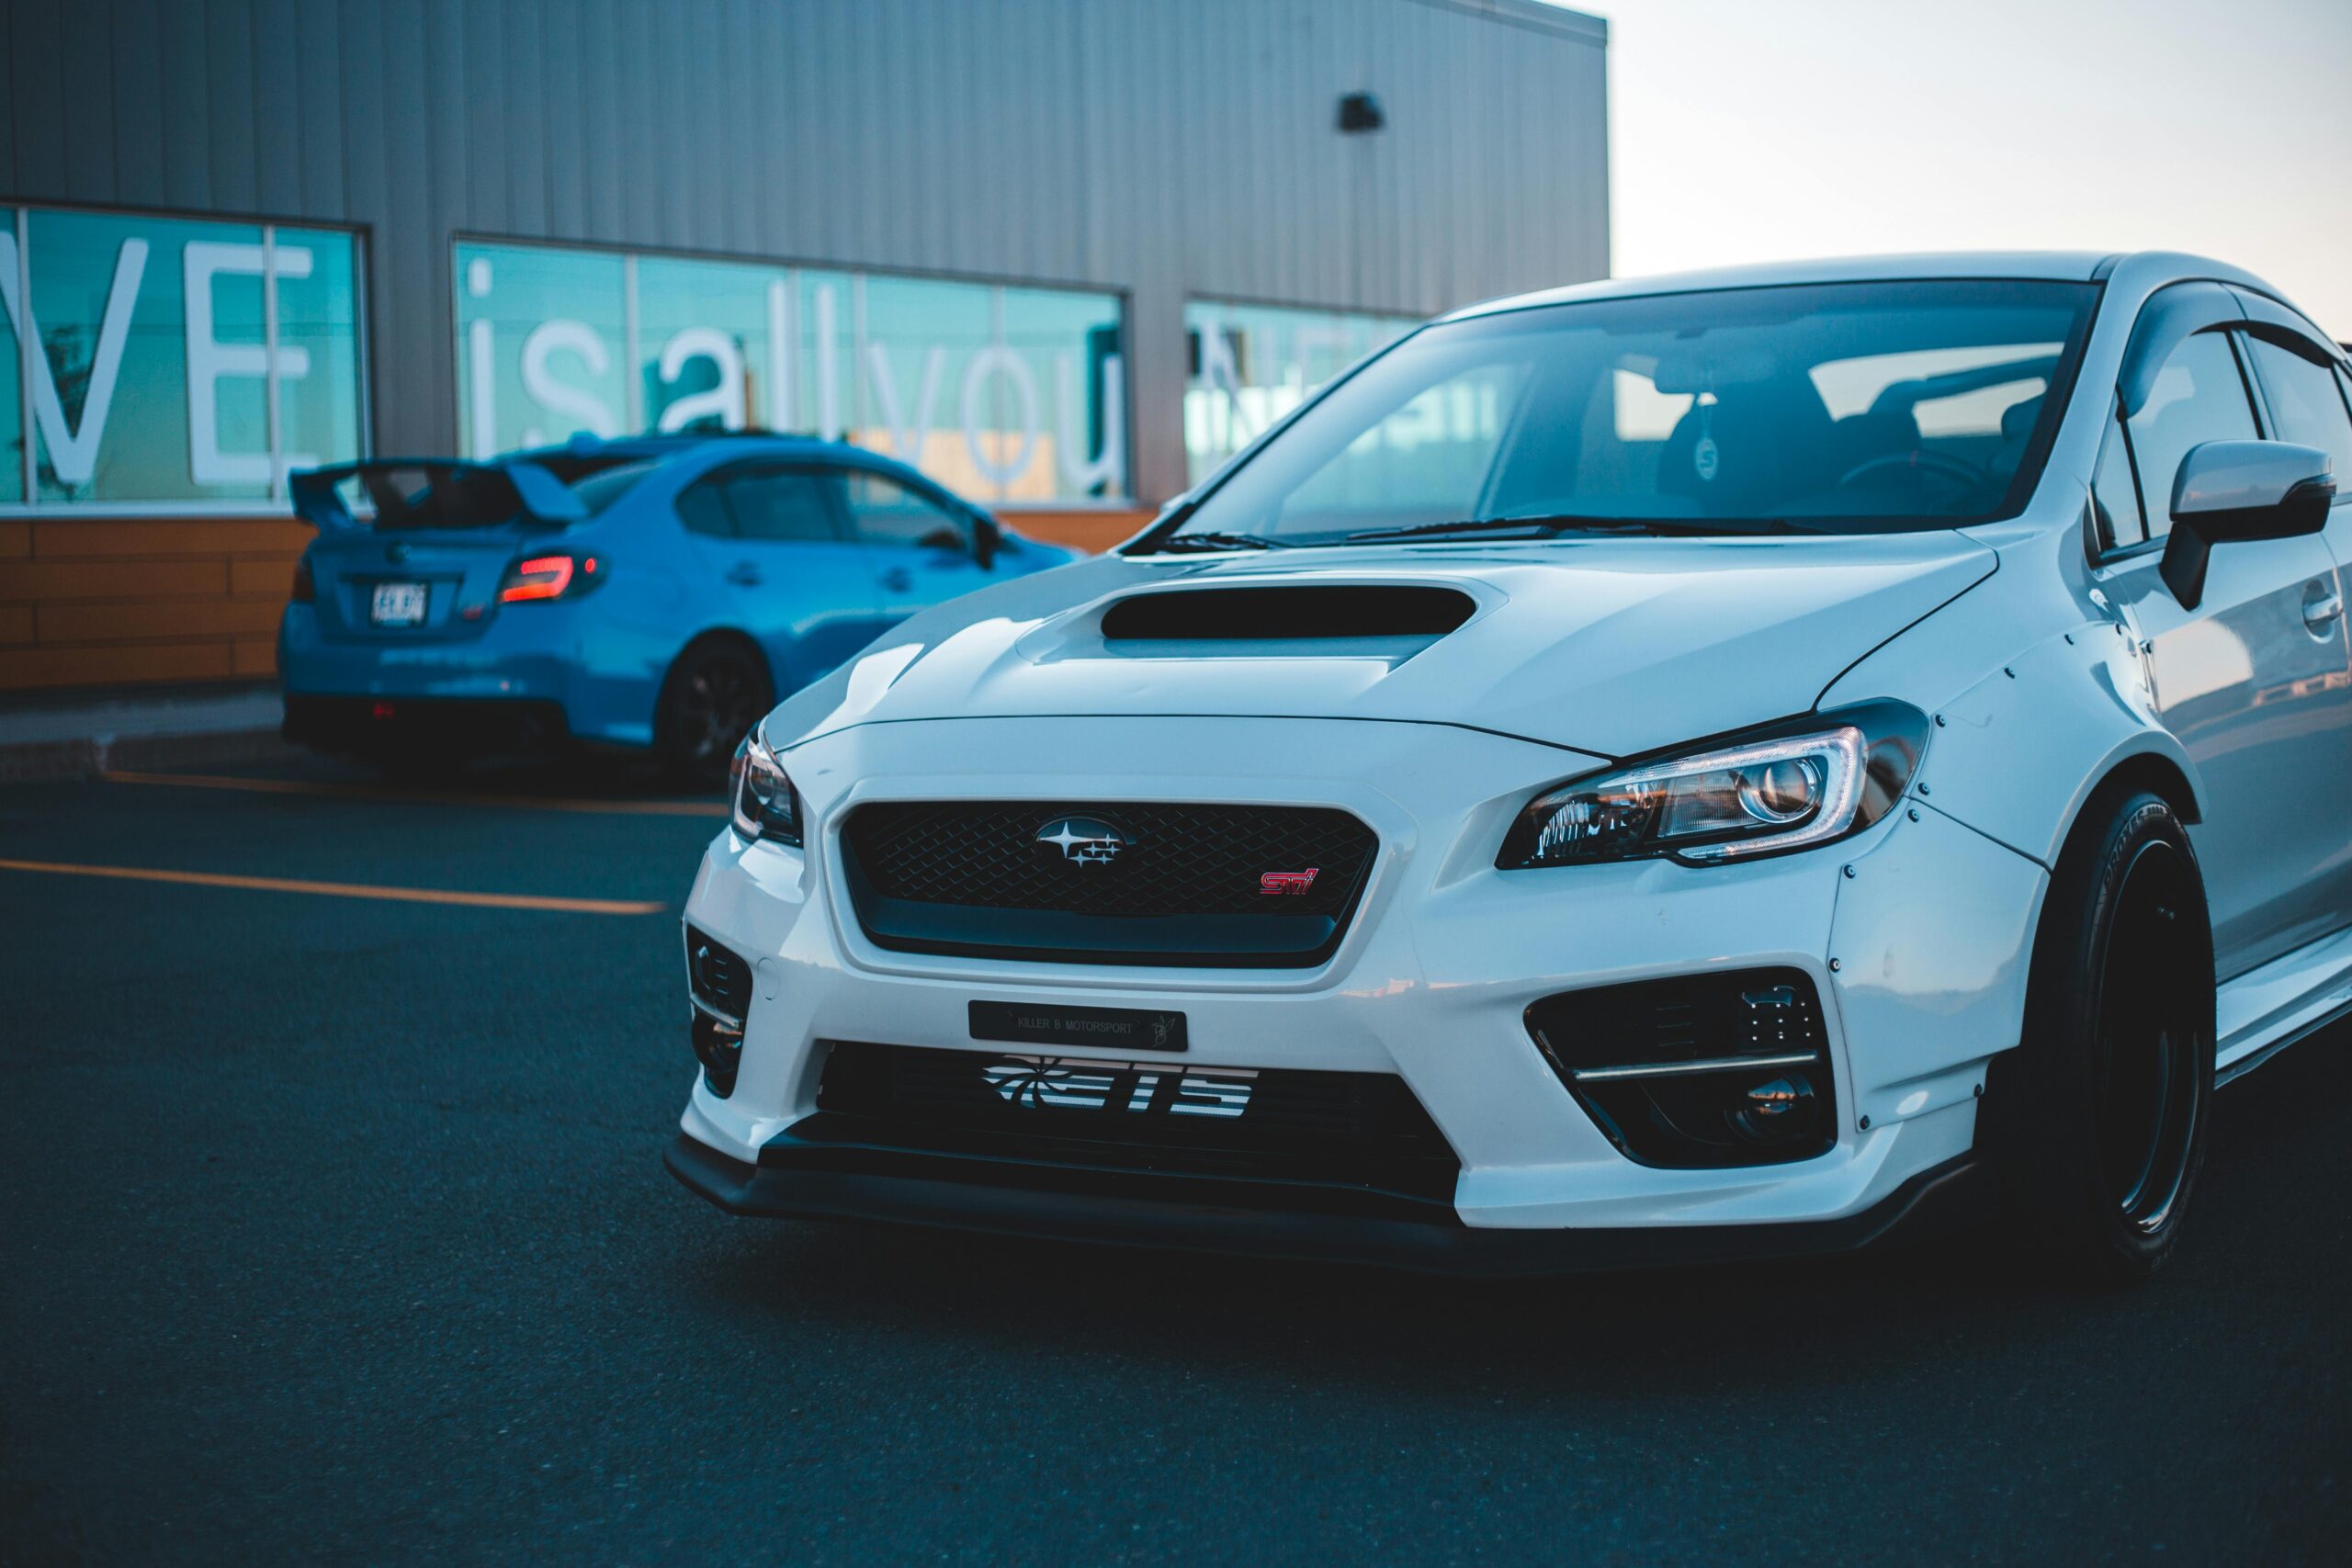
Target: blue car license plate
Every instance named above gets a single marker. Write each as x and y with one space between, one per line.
397 604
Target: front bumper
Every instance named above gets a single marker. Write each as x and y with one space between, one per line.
1214 1214
1915 934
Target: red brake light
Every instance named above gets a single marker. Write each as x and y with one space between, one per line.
541 577
557 575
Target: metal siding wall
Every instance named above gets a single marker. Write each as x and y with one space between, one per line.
86 73
1164 151
138 73
34 75
324 114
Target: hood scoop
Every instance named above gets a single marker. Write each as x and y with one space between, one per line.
1321 611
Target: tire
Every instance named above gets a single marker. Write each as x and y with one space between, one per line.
713 695
2095 1127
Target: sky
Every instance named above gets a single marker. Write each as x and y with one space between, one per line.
1772 129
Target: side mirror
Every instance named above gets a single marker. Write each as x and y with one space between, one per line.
2228 491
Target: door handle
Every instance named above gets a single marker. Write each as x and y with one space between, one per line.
897 579
2323 607
743 574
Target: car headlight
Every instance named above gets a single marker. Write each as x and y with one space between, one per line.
761 799
1790 787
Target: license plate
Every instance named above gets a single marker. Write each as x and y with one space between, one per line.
397 604
1120 1029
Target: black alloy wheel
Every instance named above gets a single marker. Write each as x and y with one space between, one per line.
2095 1125
2148 1046
714 695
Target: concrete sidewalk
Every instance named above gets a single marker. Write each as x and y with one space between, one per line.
70 738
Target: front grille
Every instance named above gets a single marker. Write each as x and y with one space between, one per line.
1258 885
1362 1130
719 977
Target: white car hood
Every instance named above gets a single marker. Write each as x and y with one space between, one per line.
1607 645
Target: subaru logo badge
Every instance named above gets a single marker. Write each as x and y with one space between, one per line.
1083 841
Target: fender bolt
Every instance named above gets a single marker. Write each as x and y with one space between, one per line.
2009 672
1835 966
1923 789
1865 1124
1939 721
1914 814
1849 874
1980 1091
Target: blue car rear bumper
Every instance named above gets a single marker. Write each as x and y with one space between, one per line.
526 678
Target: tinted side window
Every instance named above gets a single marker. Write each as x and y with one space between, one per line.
2114 494
2198 396
782 505
703 509
884 512
2305 404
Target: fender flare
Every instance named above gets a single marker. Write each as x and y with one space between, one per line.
2078 710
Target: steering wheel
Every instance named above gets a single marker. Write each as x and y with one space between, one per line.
1958 470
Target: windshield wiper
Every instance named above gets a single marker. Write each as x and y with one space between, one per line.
1180 544
1568 522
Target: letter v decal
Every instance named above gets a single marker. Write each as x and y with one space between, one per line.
73 453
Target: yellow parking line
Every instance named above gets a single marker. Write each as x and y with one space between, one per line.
378 792
349 889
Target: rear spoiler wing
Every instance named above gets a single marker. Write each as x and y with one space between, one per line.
318 497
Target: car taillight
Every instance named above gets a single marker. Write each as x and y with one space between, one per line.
562 575
303 591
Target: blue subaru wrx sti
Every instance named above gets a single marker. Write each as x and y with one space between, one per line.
652 594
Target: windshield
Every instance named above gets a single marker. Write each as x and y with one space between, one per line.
1834 407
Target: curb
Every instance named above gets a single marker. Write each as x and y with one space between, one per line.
87 757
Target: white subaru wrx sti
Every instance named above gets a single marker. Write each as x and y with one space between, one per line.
1717 766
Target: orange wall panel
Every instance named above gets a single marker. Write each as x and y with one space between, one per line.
84 538
1092 531
156 618
107 601
271 578
42 582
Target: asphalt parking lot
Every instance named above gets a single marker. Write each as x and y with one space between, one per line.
333 1224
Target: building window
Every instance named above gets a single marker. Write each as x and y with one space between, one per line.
175 365
1009 395
1249 364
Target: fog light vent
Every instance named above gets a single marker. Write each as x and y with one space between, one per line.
720 1048
719 980
719 977
1706 1070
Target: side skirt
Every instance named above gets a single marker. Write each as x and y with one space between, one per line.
2290 999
